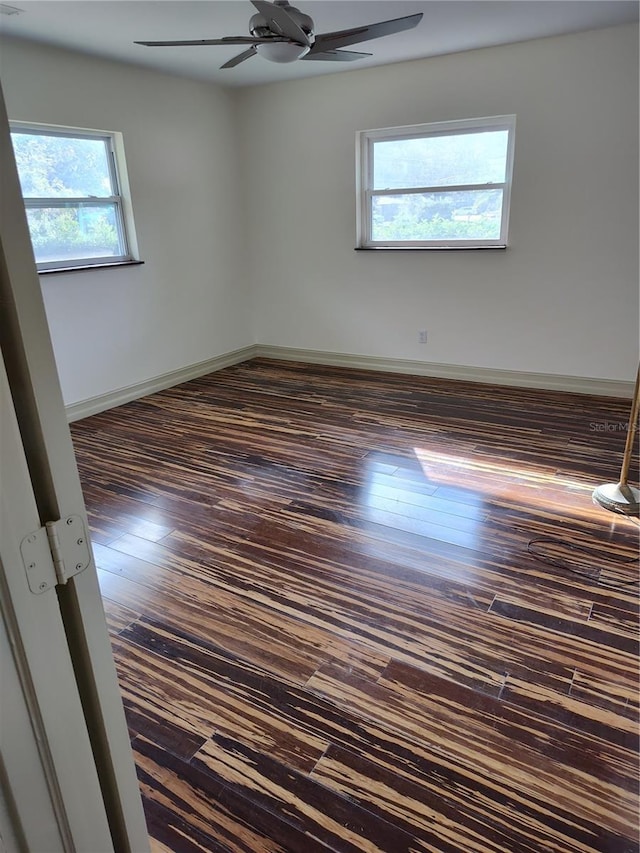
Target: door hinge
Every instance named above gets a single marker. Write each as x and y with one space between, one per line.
55 553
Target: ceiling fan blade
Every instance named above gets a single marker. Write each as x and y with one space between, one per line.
280 21
226 40
336 55
246 54
343 38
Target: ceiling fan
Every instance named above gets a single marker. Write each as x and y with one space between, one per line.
282 33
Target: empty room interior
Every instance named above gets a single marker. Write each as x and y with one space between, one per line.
348 353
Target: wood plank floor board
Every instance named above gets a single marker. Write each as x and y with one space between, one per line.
328 816
193 804
507 560
558 606
615 619
168 732
284 651
589 632
480 734
346 616
606 694
272 540
563 735
119 617
231 694
452 813
174 832
572 711
293 640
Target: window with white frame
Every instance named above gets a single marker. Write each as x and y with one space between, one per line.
443 185
72 193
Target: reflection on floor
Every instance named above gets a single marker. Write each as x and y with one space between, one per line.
330 630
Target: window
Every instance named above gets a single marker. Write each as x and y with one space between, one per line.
71 190
444 185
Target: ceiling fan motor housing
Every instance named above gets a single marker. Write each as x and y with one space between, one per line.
259 27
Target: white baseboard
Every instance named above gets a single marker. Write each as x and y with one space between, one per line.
519 379
102 402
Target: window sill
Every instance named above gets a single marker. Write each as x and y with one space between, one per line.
91 267
428 248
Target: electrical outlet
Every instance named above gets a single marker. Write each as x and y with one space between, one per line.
422 336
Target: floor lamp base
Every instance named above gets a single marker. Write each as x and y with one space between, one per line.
618 498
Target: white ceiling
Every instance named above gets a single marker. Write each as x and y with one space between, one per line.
108 29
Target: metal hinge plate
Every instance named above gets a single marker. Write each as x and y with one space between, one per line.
55 553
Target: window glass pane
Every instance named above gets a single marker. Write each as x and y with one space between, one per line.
437 216
61 166
75 232
440 161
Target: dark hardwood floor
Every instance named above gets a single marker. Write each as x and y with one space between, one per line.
343 618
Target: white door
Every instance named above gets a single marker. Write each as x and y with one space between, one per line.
67 780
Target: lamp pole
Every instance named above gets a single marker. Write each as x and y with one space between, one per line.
621 497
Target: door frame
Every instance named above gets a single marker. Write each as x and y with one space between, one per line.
56 491
44 743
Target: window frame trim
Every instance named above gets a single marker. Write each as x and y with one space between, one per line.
365 140
123 220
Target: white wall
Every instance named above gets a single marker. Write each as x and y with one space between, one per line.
280 269
562 299
113 328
